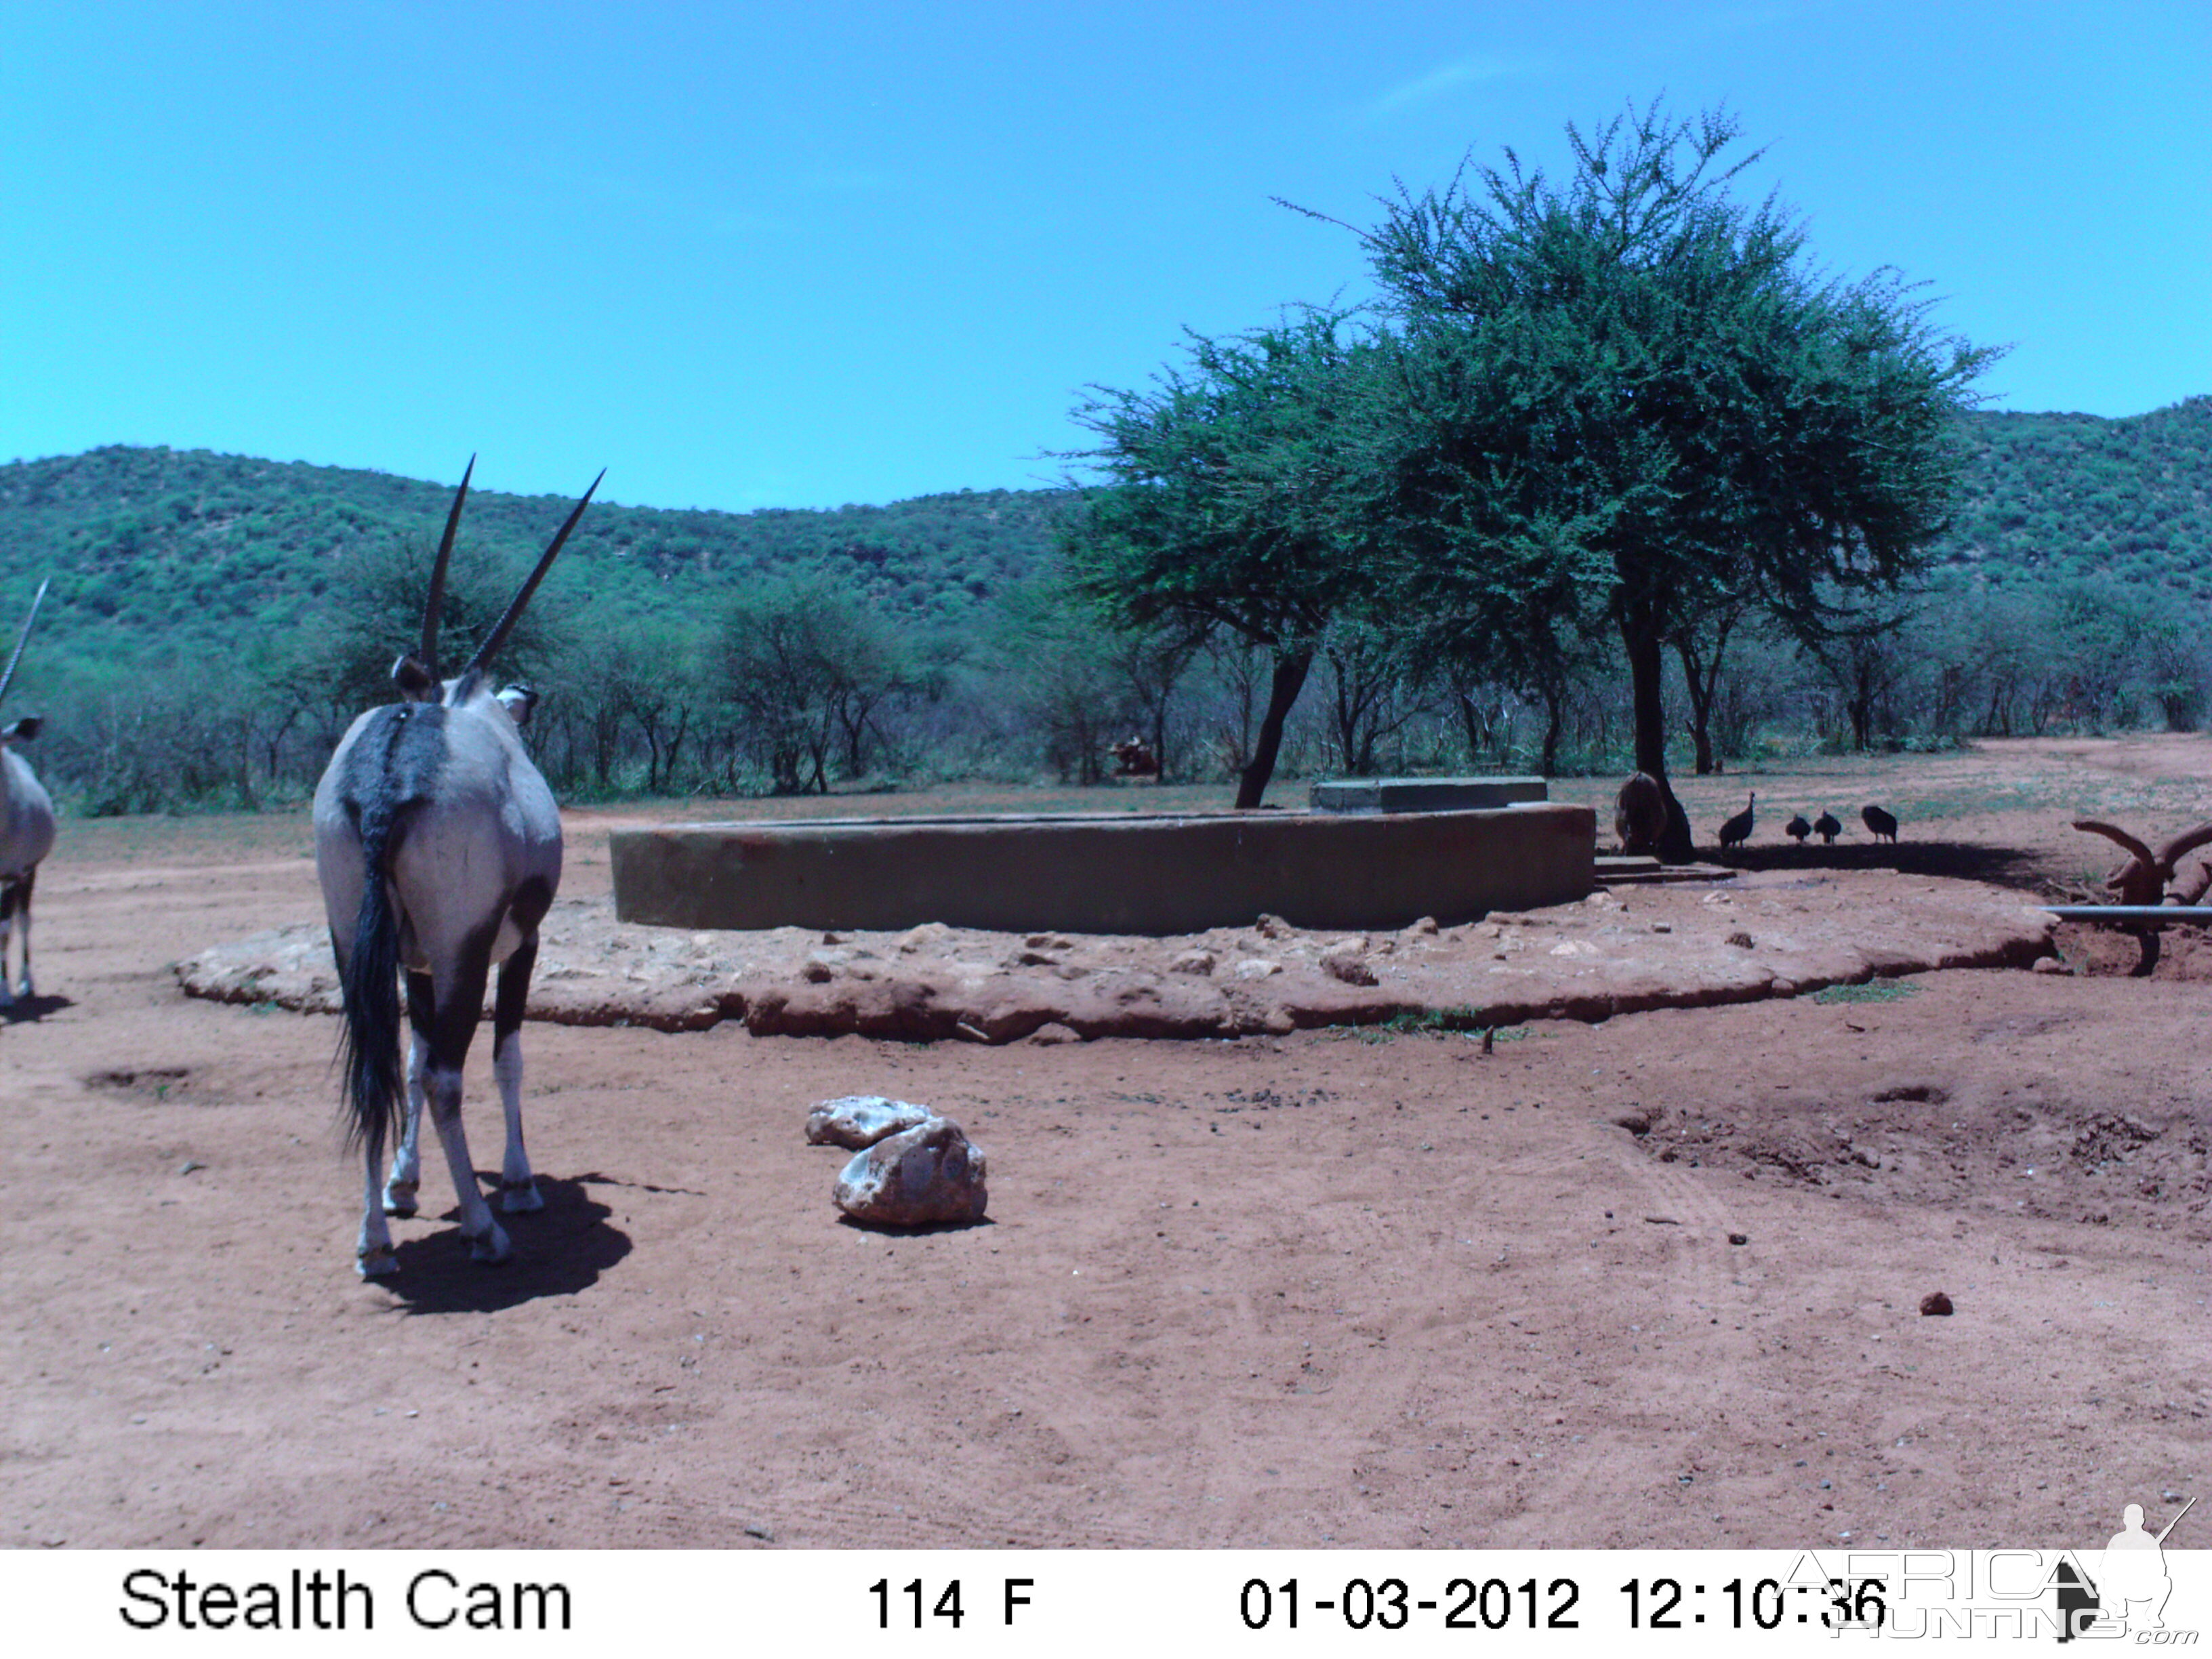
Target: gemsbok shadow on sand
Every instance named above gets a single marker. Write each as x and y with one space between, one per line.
558 1251
2001 866
32 1009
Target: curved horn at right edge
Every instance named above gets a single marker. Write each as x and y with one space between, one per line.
8 676
437 604
2113 832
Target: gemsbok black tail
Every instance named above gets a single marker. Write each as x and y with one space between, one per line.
369 1047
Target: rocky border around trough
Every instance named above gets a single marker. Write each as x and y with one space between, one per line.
1774 934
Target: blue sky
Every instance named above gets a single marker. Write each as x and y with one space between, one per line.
778 255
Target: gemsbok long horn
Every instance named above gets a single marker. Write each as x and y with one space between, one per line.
437 604
497 637
24 638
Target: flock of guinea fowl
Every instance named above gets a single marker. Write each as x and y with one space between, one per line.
1737 829
1641 811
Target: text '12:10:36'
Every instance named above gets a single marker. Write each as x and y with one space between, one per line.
1768 1604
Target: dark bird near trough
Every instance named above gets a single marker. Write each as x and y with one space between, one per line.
1737 829
1797 829
1827 827
1883 827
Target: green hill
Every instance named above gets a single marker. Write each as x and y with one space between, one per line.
154 552
2049 497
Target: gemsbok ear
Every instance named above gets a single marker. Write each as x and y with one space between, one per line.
414 681
517 701
24 730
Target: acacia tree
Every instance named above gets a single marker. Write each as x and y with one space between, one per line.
1700 643
805 663
1372 681
659 686
1863 655
1057 664
1631 368
1233 504
378 594
1152 663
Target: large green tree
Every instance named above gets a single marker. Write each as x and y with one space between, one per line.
1238 501
379 592
1633 377
806 664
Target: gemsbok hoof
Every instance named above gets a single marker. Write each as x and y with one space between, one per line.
517 1196
379 1263
399 1199
492 1248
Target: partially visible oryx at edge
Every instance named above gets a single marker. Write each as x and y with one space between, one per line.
438 844
27 824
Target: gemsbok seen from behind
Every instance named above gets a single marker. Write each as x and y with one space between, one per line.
438 844
27 827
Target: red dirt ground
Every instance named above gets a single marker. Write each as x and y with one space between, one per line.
1336 1287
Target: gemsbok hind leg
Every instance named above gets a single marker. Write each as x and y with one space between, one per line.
460 1005
23 986
373 1256
518 1187
10 896
402 1187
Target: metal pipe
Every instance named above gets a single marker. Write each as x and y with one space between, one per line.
2117 914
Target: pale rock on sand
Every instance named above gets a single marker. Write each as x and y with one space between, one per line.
859 1121
930 1174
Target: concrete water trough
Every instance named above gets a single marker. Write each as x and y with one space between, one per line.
1424 794
1096 873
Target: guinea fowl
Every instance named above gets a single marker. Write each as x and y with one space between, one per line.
1797 829
1827 827
1883 826
1737 829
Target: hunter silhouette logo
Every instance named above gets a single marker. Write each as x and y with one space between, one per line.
2130 1589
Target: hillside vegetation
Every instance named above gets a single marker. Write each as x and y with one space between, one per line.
158 551
215 621
2058 496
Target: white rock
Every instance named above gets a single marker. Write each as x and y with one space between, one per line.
1257 967
862 1121
931 1173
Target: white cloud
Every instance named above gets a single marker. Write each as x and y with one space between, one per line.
1443 82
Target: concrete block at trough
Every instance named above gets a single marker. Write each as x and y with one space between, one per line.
1426 794
1091 874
